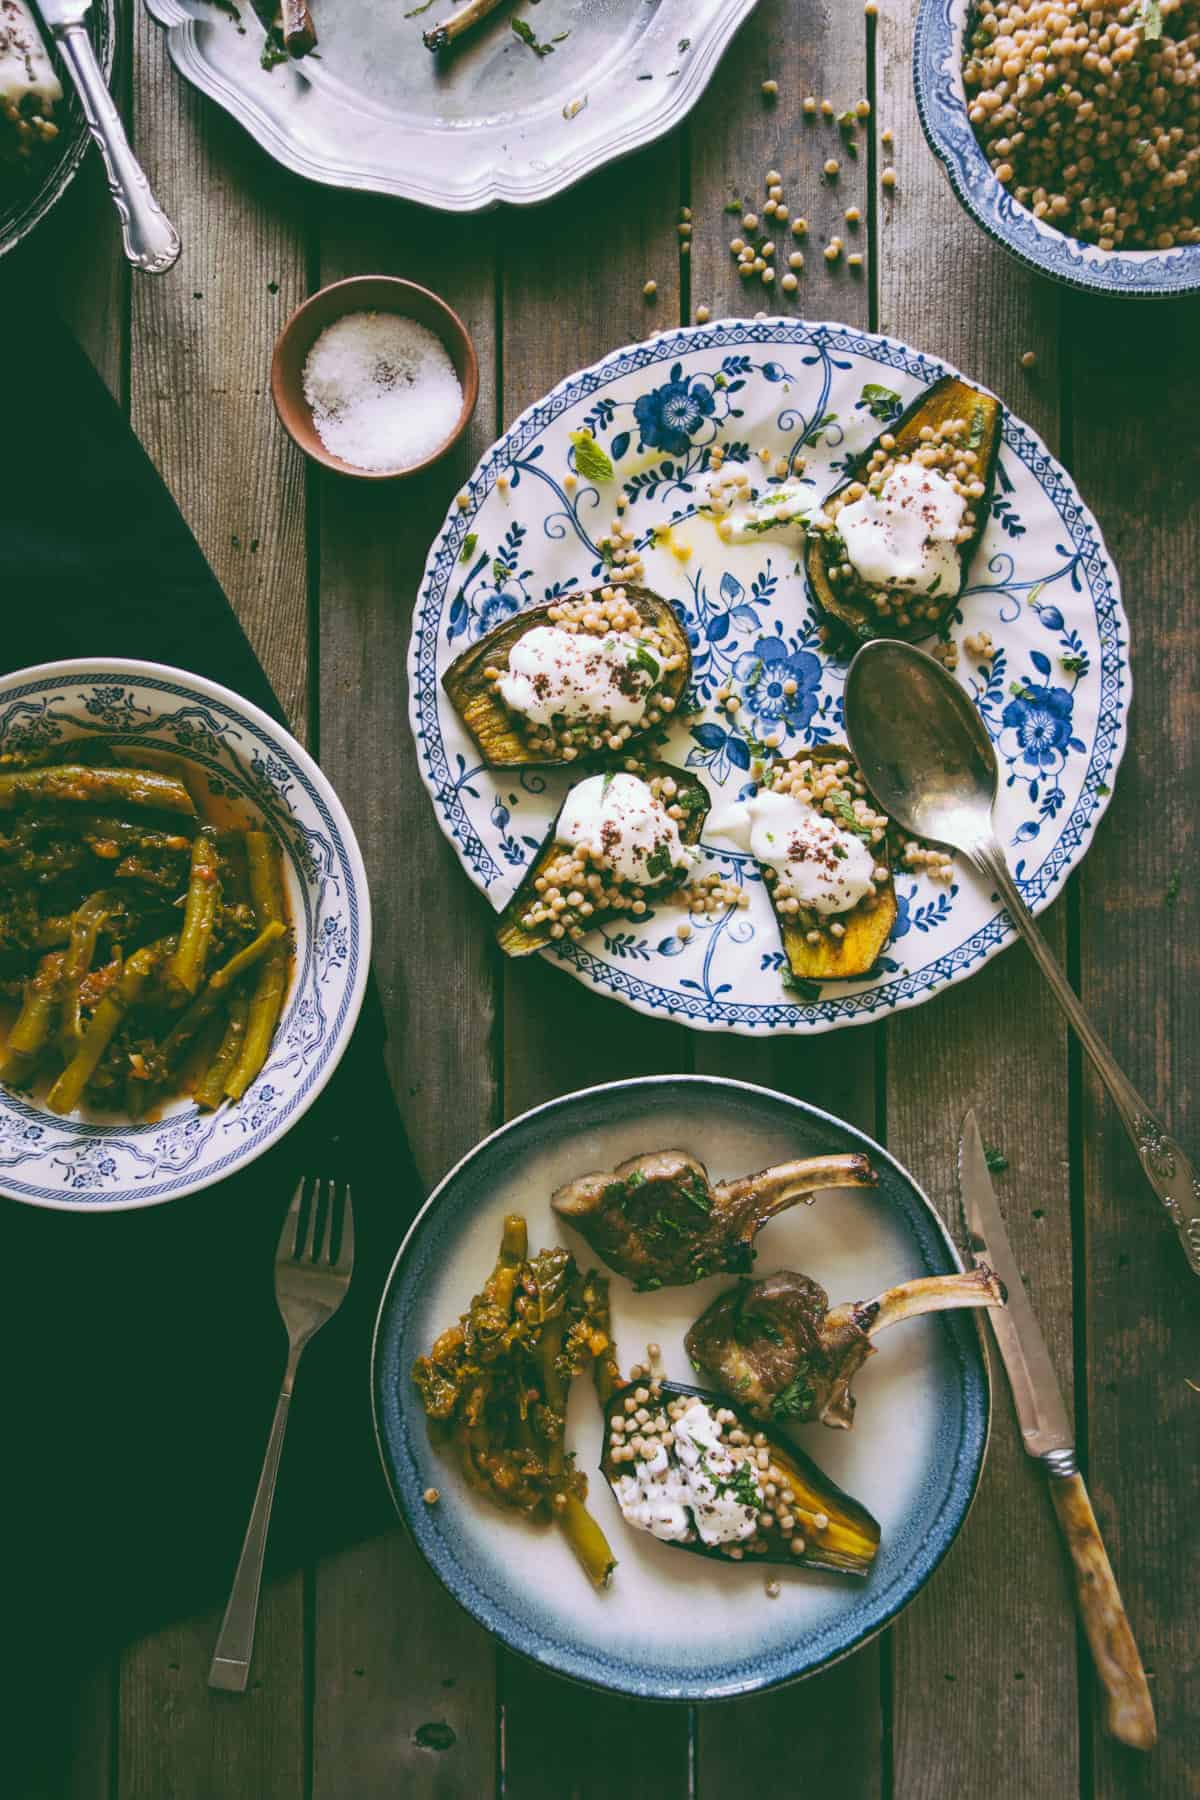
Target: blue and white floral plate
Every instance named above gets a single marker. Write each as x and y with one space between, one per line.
258 772
670 1626
1054 692
941 102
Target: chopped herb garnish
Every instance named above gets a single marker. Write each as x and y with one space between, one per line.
995 1159
593 463
742 1485
1150 19
468 548
1019 691
636 1179
418 10
797 1397
744 1383
526 34
800 986
648 1285
882 402
1073 664
642 659
658 863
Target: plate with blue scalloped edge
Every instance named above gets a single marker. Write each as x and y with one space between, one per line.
672 1626
1053 693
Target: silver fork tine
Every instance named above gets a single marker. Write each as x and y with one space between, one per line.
322 1220
291 1222
304 1251
345 1261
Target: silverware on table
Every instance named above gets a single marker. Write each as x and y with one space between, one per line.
1047 1436
926 756
151 241
310 1285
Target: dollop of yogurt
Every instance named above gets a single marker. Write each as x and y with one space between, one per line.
619 821
554 673
693 1489
825 867
904 536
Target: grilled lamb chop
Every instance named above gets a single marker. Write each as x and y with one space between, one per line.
657 1220
779 1349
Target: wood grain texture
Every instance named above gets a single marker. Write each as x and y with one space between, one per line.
178 1740
984 1669
564 305
1135 383
404 1683
201 340
1127 1710
736 136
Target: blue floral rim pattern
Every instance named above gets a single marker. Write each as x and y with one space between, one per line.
400 1426
247 758
941 103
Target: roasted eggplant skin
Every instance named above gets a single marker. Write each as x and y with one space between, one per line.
513 937
848 1545
948 398
494 728
867 933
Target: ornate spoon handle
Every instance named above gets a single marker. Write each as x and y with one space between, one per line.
1168 1170
151 241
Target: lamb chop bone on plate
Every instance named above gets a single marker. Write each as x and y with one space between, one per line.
658 1220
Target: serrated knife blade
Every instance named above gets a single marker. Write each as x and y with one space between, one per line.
1041 1411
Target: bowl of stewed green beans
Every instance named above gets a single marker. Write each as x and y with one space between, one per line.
184 933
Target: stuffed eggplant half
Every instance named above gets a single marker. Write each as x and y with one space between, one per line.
889 551
824 855
620 842
582 676
700 1474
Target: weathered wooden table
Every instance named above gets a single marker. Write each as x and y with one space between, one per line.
369 1681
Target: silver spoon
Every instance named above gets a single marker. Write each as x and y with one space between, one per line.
925 755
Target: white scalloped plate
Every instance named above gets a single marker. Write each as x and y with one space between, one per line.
1054 695
374 110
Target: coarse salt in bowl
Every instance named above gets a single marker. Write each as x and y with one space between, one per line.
375 377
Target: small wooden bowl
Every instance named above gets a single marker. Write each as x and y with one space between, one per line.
365 293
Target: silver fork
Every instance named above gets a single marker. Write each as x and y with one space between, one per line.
309 1287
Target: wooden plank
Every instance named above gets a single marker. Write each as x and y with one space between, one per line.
737 135
404 1683
564 305
200 351
994 1657
1137 456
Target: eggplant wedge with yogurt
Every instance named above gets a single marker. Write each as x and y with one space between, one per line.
833 1529
850 602
496 728
867 928
515 938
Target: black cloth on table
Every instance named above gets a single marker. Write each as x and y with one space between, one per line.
141 1351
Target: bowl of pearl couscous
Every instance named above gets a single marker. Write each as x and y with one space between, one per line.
1070 131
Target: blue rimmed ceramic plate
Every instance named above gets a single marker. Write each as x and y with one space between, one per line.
672 1626
256 772
941 102
1053 693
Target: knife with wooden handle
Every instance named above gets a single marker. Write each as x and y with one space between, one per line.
1046 1432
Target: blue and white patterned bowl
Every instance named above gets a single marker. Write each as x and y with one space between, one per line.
261 774
941 102
669 1626
1053 691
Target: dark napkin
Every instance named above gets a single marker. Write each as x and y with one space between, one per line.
142 1351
